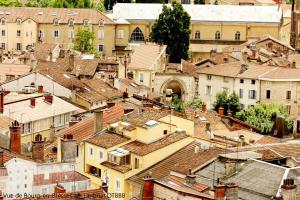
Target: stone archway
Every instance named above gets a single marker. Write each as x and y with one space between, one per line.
177 86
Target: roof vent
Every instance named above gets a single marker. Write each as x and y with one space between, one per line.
151 123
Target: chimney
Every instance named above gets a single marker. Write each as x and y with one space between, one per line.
50 56
38 148
1 158
221 111
71 62
32 102
208 126
59 189
48 98
219 192
289 189
190 178
203 107
15 137
230 167
104 187
1 195
98 125
148 193
40 89
270 46
68 148
213 54
72 123
229 113
110 104
253 53
2 102
232 191
148 105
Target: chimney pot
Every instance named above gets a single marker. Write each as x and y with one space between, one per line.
203 106
40 89
219 192
59 189
71 62
148 188
38 148
48 99
289 189
32 102
221 111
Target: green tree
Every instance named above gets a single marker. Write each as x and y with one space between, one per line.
38 3
10 3
172 28
228 102
150 1
100 6
177 104
263 116
84 40
197 103
72 4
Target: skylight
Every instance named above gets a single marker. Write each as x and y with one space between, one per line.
151 123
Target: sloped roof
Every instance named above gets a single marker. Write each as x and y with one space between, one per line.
107 139
202 13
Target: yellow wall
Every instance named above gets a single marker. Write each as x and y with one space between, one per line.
183 124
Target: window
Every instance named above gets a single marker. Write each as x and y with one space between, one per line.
71 34
37 126
120 34
253 82
237 36
77 150
56 33
101 34
241 81
26 128
208 77
101 22
100 48
55 22
241 93
71 22
3 32
3 46
25 185
136 163
268 94
91 152
252 94
137 35
100 156
3 21
85 22
41 34
45 123
18 21
18 33
185 2
208 90
217 35
288 94
118 185
141 77
19 47
197 35
288 108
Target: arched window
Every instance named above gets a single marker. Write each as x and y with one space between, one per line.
237 35
217 35
137 35
18 21
197 35
101 22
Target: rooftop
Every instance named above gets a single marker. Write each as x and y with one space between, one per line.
143 149
41 110
203 13
107 139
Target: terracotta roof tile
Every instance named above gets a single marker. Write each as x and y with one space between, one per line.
143 149
58 177
103 88
107 140
3 172
120 168
268 140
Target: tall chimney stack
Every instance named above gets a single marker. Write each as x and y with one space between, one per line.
148 188
220 192
98 125
38 148
15 137
32 102
68 148
71 61
289 189
232 191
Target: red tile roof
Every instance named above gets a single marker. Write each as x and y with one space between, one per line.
107 140
58 177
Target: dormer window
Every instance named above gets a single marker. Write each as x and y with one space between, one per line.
56 22
71 22
18 21
3 21
101 22
85 22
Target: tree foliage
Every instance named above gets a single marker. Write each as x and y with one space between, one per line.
263 116
150 1
84 40
108 4
177 104
197 103
10 3
172 28
61 3
228 102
